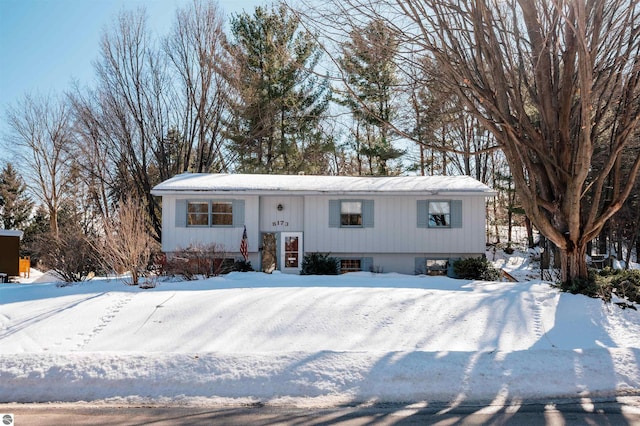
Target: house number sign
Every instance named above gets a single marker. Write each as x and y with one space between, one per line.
279 223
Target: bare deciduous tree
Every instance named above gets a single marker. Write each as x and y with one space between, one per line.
194 48
132 107
41 139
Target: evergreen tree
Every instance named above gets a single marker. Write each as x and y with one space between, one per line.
38 230
15 204
369 62
278 101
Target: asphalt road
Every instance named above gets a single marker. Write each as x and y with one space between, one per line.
626 412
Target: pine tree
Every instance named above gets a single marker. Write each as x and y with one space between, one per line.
368 60
15 204
278 101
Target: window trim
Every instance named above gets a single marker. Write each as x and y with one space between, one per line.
366 263
455 213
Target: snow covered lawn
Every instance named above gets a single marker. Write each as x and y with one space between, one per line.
280 339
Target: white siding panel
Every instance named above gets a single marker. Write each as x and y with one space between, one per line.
174 238
289 219
395 229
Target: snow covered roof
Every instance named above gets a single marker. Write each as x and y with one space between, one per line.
308 184
10 233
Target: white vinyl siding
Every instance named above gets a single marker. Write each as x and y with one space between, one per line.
393 244
177 235
395 228
289 218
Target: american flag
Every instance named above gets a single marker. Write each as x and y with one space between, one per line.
244 249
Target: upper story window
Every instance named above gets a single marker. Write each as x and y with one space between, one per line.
221 213
198 213
351 213
439 214
209 213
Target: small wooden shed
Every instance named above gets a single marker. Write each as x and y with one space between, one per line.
9 253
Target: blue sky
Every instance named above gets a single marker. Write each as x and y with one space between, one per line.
45 45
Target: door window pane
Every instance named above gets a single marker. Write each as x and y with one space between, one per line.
291 253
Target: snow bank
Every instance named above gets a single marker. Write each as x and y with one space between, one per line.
332 377
312 340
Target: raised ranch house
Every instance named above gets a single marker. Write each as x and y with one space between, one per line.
407 224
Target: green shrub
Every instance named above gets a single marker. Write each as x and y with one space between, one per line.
625 284
592 286
319 264
475 268
607 282
242 266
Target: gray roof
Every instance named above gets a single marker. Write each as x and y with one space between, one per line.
307 184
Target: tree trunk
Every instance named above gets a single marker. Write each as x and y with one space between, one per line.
53 222
602 240
527 224
574 264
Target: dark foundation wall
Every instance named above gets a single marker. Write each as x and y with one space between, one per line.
10 255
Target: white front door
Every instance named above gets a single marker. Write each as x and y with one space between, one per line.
291 251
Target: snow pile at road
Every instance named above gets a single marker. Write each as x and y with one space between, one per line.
252 337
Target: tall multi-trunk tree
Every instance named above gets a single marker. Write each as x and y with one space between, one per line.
277 100
556 82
